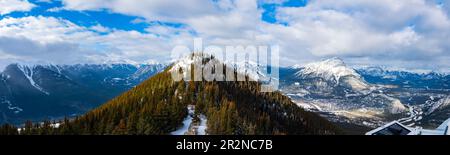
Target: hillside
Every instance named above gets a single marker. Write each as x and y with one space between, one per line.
38 92
159 105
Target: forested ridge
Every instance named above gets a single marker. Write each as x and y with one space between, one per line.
158 107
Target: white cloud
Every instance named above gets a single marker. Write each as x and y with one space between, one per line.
8 6
272 1
55 9
151 9
100 28
223 18
55 40
42 29
401 32
222 22
44 1
408 29
42 39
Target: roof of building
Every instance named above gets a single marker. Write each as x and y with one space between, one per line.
397 128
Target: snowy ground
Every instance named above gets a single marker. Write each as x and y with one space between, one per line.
415 114
190 127
186 123
201 129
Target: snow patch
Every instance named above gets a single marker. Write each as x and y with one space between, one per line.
29 72
201 129
190 127
15 109
186 123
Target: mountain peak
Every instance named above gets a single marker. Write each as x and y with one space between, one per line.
252 69
296 66
334 61
186 61
333 69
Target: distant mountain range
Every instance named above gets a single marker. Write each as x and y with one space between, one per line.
402 78
36 92
365 96
163 105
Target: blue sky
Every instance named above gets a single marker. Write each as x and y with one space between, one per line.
125 22
87 18
411 33
269 9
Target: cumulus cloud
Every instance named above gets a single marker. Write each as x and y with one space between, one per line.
402 32
28 50
151 9
221 18
406 29
222 22
55 40
8 6
100 28
42 40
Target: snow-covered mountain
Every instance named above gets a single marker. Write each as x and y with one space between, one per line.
436 111
251 69
332 86
327 78
29 73
158 106
30 92
439 105
341 87
331 69
335 73
361 94
405 78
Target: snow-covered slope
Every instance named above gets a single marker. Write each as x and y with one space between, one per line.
406 78
380 70
28 72
190 127
331 69
28 91
333 73
185 63
252 69
248 68
344 87
442 103
145 71
184 129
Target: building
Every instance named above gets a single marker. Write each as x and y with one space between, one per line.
396 128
